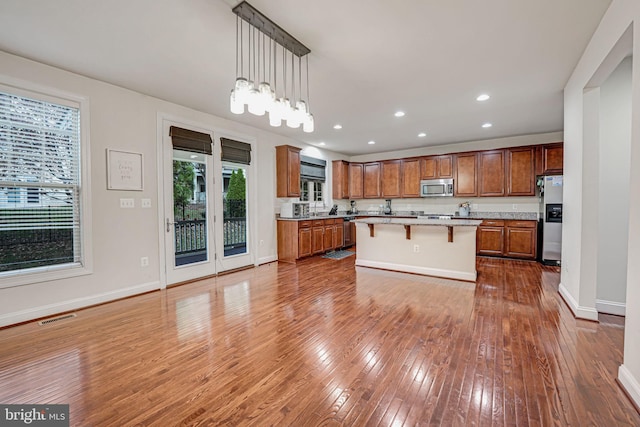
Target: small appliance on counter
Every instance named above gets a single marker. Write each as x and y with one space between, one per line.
354 209
334 210
295 210
387 207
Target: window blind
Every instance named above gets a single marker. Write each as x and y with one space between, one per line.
235 151
312 169
190 140
39 183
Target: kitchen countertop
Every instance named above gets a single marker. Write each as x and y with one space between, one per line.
528 216
421 221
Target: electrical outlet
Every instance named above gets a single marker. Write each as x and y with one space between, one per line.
416 248
127 203
515 207
474 206
144 261
145 203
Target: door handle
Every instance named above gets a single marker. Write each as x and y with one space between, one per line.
169 224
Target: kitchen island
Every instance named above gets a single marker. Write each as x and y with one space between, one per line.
433 247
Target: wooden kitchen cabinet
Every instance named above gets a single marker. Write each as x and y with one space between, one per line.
372 180
287 171
410 177
552 159
466 175
340 182
299 239
304 240
327 238
520 239
338 234
391 178
317 237
356 181
490 238
435 167
491 181
520 170
508 238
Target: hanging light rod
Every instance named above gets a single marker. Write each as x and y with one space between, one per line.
256 18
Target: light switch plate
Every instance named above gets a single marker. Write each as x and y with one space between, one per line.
146 203
127 203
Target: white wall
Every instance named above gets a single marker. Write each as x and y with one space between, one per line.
578 292
613 212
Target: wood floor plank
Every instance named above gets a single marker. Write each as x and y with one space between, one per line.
323 342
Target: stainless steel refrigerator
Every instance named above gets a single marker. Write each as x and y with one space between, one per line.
551 216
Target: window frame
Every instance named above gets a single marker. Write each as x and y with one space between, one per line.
29 276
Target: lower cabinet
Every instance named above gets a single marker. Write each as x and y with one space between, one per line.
490 238
299 239
508 238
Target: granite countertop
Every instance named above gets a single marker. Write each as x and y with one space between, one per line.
529 216
422 221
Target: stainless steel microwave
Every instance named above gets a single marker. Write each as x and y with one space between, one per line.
436 188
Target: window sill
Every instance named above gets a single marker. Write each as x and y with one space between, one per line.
12 279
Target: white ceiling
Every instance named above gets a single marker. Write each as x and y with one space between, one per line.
369 58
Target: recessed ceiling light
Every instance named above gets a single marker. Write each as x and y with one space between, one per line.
422 134
337 126
371 142
483 97
322 143
487 125
399 113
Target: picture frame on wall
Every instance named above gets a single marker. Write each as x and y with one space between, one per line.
124 170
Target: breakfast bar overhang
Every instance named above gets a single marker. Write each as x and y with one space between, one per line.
433 247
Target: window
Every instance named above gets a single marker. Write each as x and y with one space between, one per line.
311 191
312 178
40 173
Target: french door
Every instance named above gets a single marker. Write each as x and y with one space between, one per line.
188 205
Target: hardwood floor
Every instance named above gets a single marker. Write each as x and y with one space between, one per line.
324 343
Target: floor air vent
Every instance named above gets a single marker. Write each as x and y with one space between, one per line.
57 319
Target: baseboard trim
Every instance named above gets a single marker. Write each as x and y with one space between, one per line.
579 312
75 304
267 259
611 307
629 384
449 274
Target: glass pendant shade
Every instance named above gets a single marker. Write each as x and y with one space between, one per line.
241 90
256 106
267 95
307 125
236 106
275 119
301 111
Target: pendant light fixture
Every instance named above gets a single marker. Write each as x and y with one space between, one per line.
262 97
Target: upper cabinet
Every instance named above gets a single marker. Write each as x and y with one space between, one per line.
372 180
552 159
466 175
340 182
356 181
410 178
491 182
521 171
391 178
434 167
287 171
490 173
